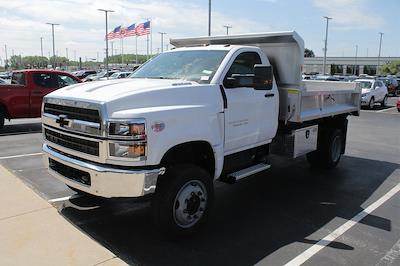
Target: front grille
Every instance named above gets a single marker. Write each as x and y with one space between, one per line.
70 172
73 143
71 112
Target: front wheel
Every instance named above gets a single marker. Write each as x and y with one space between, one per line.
183 199
371 104
384 101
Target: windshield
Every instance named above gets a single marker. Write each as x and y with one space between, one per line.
198 66
365 84
115 75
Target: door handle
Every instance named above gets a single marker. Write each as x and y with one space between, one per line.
269 95
37 92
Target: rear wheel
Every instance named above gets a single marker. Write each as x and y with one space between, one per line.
371 104
183 199
329 150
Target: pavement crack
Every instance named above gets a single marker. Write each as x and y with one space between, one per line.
21 214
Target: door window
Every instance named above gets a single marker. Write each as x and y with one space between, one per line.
45 80
64 80
18 78
243 65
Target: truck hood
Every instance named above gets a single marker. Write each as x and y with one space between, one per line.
132 95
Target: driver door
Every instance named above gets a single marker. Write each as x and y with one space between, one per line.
250 117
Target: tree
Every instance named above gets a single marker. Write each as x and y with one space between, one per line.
392 68
308 53
128 59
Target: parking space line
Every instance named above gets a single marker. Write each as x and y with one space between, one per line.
388 109
307 254
64 198
20 155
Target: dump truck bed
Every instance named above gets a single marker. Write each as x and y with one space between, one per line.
318 99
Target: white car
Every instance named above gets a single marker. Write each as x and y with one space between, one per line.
118 75
373 91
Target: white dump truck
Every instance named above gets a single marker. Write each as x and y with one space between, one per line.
211 109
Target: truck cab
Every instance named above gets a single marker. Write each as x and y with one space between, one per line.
212 109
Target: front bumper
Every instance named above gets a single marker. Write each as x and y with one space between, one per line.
104 181
365 100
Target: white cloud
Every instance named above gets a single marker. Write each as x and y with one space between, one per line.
350 14
82 25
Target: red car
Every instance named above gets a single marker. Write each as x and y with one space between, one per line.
398 104
23 97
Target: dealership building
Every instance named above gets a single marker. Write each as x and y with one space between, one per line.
345 65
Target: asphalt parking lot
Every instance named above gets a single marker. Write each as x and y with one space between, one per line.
272 218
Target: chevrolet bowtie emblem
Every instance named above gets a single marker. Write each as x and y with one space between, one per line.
62 120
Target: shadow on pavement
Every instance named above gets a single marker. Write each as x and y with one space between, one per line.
16 129
250 220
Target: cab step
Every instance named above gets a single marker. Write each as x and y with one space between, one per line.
254 169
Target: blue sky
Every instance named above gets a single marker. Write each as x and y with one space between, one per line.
355 22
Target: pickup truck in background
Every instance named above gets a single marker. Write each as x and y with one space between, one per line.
212 109
23 97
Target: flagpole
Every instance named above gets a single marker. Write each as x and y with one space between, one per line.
122 50
147 46
136 51
151 38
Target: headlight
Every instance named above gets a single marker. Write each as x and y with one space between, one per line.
133 129
136 150
127 139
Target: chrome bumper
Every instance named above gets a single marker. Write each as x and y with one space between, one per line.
107 182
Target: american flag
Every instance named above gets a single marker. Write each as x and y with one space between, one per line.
130 31
143 28
116 33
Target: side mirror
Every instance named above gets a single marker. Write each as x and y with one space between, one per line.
231 82
263 77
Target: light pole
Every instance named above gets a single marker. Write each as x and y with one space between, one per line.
379 54
326 41
54 47
227 28
6 62
209 17
41 46
106 13
162 40
355 61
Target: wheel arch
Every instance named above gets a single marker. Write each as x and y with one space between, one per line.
199 153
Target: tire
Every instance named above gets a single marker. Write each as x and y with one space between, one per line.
371 103
2 119
329 151
183 200
398 109
384 101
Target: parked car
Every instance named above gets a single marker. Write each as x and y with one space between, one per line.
23 97
326 78
84 73
373 91
118 75
391 84
2 81
5 75
102 74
